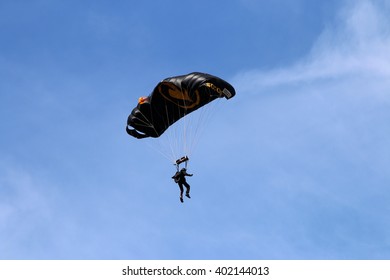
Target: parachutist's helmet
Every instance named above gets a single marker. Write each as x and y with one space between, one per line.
183 169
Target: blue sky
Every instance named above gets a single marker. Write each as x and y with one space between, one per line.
294 167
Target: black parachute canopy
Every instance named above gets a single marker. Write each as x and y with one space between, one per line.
172 99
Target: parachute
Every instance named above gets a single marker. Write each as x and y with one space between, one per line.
172 99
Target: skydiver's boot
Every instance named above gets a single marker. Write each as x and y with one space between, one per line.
188 195
181 199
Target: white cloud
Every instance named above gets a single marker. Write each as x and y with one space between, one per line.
335 99
309 143
318 132
354 47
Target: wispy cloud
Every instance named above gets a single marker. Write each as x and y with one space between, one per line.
321 132
295 166
357 45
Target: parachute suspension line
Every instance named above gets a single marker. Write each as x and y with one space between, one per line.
182 127
160 151
159 147
144 123
186 123
202 117
182 137
196 122
171 136
152 145
178 131
185 134
177 137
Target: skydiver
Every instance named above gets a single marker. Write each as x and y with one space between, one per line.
180 179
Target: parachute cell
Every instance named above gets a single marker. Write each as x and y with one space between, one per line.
172 99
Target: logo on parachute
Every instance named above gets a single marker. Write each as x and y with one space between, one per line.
178 96
225 92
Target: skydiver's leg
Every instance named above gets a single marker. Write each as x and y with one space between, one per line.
187 189
181 191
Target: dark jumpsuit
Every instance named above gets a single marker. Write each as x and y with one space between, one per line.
181 180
